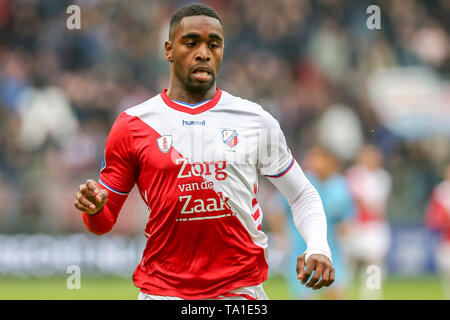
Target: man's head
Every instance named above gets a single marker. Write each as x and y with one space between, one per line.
322 161
370 156
195 47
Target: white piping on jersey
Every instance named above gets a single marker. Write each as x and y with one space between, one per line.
113 190
209 217
192 106
282 173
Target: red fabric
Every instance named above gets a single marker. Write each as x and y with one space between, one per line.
363 215
184 257
437 217
103 221
246 296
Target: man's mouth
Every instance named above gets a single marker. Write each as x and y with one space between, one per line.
202 74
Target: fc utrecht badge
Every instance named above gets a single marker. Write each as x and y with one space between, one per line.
230 137
164 143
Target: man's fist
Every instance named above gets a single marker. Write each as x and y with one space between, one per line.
90 198
322 267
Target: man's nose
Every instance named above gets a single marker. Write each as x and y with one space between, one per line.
202 53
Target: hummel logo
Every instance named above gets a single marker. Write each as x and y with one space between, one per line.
193 123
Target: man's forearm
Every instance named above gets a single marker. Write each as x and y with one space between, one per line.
307 209
103 221
309 218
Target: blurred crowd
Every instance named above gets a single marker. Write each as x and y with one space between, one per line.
304 61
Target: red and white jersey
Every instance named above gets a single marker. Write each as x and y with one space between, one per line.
197 168
437 215
371 189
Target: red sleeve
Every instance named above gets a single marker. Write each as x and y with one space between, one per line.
435 215
119 166
117 175
103 221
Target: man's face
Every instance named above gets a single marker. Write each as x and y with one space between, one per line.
319 161
196 52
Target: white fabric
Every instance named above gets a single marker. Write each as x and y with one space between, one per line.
253 291
261 149
311 252
371 187
370 241
307 209
443 257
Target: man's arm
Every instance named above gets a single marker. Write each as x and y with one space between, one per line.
100 208
277 164
309 218
101 202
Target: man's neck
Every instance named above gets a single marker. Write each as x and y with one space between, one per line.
181 94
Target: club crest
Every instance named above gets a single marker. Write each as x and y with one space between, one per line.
230 138
164 143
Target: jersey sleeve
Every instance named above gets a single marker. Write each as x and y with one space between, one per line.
119 164
435 214
274 157
117 175
306 208
103 221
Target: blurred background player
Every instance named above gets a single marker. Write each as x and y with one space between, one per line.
437 218
322 169
369 242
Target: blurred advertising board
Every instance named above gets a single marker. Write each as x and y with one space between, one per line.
413 102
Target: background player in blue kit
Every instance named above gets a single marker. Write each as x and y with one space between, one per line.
322 169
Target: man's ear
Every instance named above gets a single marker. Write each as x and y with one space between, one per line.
168 48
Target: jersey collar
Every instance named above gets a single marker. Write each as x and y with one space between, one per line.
179 107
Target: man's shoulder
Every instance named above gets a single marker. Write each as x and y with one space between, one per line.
144 106
131 116
246 106
234 101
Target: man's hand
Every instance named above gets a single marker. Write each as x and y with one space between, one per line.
321 266
90 198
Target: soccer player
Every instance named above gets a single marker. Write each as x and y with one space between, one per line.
437 218
195 153
322 169
371 186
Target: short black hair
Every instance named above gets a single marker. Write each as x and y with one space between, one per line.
194 9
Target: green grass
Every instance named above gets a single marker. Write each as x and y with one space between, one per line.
111 288
425 288
92 288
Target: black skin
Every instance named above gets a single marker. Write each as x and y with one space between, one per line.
323 271
198 41
90 198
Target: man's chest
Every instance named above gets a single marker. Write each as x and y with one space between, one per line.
200 147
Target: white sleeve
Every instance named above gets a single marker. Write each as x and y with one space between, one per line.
306 207
274 156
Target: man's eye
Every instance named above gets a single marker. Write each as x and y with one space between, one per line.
213 45
190 44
